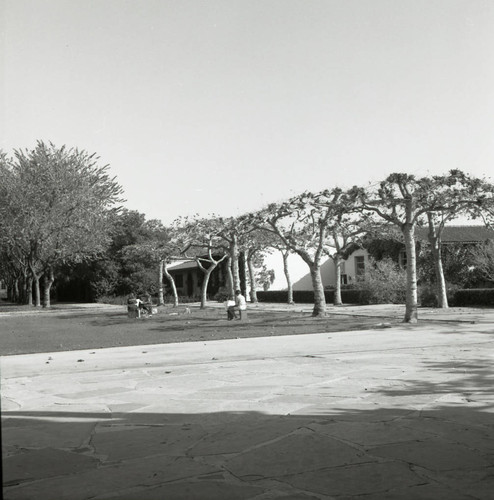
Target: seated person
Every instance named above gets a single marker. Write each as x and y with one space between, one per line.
133 305
230 308
146 303
240 302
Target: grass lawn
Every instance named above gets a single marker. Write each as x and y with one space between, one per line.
65 331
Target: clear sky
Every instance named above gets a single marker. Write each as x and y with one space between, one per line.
221 106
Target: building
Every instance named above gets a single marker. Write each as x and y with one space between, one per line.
356 263
189 278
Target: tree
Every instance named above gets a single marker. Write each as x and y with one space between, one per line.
345 228
401 199
159 249
201 241
15 247
302 226
237 234
63 199
265 276
451 195
483 259
277 243
255 245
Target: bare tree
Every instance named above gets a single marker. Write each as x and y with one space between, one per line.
346 225
202 242
302 226
400 200
452 195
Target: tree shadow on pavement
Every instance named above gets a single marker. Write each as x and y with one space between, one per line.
444 452
472 380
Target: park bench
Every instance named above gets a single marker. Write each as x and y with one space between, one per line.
134 311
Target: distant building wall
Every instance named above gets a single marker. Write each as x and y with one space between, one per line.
351 269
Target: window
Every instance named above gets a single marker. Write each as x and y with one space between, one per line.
343 275
359 266
179 280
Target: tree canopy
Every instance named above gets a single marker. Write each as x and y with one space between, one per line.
56 208
60 213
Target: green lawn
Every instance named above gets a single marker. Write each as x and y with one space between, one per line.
64 331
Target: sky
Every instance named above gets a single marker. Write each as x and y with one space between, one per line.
223 106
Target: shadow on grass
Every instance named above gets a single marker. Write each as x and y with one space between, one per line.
25 334
218 319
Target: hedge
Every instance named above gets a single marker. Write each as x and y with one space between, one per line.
307 296
461 298
473 297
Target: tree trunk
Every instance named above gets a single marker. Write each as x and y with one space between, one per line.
234 253
411 306
36 278
229 277
170 279
319 298
435 242
15 290
288 278
205 283
37 292
23 287
48 282
337 260
29 291
252 279
161 298
245 279
442 294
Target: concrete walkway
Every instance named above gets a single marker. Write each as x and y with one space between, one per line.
403 412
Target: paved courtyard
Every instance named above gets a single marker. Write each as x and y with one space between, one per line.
403 412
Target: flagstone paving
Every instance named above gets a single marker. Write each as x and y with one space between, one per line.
403 412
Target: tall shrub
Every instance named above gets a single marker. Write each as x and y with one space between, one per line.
384 282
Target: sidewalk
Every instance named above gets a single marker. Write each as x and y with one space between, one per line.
397 413
454 314
9 309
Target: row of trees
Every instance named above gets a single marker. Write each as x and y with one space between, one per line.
59 210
